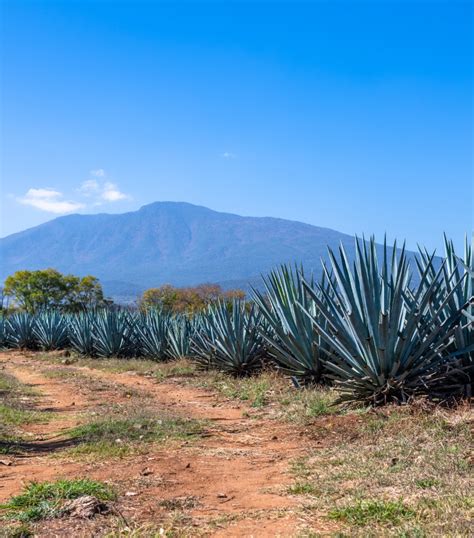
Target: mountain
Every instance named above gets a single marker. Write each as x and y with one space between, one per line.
167 242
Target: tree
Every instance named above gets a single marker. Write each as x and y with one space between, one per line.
48 288
188 299
87 293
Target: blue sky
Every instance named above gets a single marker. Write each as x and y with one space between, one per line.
354 116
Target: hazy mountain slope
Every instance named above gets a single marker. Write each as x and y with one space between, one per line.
166 242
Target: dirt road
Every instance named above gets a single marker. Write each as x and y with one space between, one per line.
230 481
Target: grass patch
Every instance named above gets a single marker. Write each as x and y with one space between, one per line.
112 365
369 461
178 368
117 436
15 411
92 383
426 483
373 511
254 390
17 530
17 417
302 488
45 500
273 392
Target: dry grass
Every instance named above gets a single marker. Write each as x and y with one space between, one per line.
123 430
113 365
273 393
16 410
269 391
404 472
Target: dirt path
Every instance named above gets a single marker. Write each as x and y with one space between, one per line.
230 482
61 406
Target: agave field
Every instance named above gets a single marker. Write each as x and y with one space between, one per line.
380 329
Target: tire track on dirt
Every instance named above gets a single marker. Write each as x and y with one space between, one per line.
237 472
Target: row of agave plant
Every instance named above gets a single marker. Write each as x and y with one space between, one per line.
100 333
366 327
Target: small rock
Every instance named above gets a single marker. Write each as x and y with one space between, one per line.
188 466
119 441
131 493
222 496
274 438
6 462
147 471
85 507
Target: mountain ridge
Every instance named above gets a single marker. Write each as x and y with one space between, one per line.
168 242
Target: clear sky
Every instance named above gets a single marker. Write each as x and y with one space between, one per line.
354 116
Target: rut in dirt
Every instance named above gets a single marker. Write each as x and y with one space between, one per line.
238 469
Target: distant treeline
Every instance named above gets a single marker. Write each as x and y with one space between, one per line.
34 291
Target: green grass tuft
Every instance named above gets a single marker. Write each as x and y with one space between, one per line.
44 500
16 417
373 511
426 483
302 488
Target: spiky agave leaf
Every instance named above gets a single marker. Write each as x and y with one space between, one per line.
292 340
229 339
20 331
3 332
114 334
383 349
51 330
201 346
180 332
81 332
456 293
152 332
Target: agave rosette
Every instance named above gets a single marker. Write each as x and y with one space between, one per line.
382 349
229 339
291 337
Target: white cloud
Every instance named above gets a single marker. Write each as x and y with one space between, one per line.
102 192
43 193
96 192
111 193
89 187
49 200
228 155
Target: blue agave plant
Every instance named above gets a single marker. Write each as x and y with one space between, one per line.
290 334
51 330
114 334
229 339
81 332
20 331
152 334
382 349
